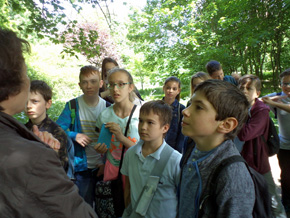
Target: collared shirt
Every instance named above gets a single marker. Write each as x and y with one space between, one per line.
164 202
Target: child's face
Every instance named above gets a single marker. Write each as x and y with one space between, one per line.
250 91
195 82
108 67
120 87
171 89
150 128
36 107
199 119
218 75
285 84
90 84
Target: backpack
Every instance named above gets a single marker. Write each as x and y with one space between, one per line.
262 206
273 141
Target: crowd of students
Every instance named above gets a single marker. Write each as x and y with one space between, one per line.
196 139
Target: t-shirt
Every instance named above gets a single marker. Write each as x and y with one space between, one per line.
284 122
115 150
138 168
88 117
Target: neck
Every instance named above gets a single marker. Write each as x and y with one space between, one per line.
38 120
91 101
209 143
169 100
152 146
123 109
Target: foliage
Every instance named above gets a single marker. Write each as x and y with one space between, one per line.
99 45
247 36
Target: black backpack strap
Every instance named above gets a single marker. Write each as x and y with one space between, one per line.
207 196
108 104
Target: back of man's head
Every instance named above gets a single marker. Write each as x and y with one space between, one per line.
227 100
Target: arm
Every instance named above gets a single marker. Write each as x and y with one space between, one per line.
61 136
54 193
127 192
275 102
255 127
116 130
64 121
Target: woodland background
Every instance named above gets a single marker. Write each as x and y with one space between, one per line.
153 39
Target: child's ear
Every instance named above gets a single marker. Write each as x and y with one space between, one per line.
48 104
101 83
227 125
165 128
258 93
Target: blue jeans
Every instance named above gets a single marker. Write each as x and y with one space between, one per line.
86 182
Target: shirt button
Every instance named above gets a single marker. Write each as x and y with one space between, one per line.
196 151
193 159
189 169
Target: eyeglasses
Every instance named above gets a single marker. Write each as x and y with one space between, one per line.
119 85
285 84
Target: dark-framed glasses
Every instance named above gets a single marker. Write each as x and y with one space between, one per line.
119 85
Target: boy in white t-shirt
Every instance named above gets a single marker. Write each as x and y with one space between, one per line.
78 120
141 159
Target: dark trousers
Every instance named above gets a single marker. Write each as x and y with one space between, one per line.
284 162
86 182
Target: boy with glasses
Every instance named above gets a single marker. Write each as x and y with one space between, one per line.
281 108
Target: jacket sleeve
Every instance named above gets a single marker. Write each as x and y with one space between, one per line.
64 120
255 126
52 191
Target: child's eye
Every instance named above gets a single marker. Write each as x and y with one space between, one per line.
35 101
198 107
140 121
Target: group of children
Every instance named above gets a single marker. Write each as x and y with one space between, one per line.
217 113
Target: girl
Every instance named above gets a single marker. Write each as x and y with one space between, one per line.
107 64
121 86
197 78
172 90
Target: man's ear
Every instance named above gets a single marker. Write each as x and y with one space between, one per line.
48 104
227 125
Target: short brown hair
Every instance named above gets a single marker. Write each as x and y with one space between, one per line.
42 88
285 73
160 108
252 79
89 69
213 66
227 100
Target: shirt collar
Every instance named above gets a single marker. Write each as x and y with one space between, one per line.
155 155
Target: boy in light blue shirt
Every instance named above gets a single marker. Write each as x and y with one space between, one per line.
141 159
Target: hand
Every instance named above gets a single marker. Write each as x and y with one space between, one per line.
47 138
101 148
116 130
101 170
83 139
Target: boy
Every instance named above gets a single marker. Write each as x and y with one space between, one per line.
141 159
79 123
33 183
39 102
254 150
284 135
217 112
215 71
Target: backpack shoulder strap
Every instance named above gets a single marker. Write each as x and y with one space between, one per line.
212 181
108 104
72 106
164 157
